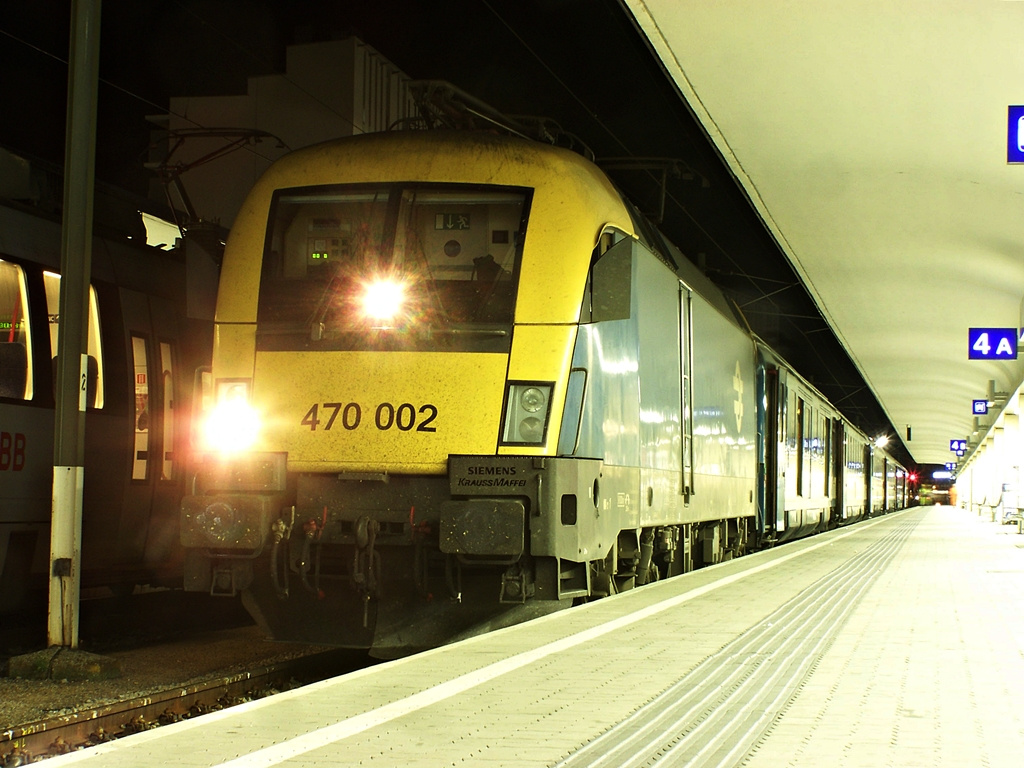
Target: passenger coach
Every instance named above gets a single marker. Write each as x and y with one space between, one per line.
142 354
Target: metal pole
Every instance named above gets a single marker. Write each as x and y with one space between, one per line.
76 260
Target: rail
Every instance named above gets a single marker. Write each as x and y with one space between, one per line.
31 742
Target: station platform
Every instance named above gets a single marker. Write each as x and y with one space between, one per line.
895 642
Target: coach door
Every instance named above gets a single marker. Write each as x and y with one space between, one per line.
777 396
837 460
165 459
149 516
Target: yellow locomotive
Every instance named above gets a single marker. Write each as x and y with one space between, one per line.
458 382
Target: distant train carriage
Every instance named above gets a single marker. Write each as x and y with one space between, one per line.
458 382
142 353
856 480
878 484
801 451
896 492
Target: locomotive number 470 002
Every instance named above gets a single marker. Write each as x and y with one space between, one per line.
404 417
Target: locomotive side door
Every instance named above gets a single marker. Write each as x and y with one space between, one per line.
686 388
658 358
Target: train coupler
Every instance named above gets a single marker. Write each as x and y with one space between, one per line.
366 564
515 587
281 531
222 581
312 530
366 610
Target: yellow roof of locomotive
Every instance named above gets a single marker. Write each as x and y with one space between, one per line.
573 201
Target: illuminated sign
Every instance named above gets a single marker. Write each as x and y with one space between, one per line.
958 445
950 465
992 344
453 220
1015 135
979 407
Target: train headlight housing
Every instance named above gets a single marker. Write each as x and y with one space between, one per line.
232 424
527 408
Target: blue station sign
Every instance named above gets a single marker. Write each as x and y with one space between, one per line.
958 446
1015 135
992 344
979 407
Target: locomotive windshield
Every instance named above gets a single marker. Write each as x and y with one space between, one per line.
391 267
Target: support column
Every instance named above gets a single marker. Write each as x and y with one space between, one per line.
75 262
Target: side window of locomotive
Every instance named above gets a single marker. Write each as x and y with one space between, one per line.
94 363
390 267
610 283
15 335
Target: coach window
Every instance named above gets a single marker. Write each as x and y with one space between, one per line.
167 367
15 336
140 465
94 373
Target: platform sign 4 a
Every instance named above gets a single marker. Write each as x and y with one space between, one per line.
992 344
1015 135
958 446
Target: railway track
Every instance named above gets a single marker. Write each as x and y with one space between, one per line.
67 732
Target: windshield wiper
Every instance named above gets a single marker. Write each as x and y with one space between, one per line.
439 331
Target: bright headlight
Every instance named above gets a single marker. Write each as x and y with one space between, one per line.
383 299
233 424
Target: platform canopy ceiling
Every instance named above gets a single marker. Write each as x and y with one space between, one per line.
871 136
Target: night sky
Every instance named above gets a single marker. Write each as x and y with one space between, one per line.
520 55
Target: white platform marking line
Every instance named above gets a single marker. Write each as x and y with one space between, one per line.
300 745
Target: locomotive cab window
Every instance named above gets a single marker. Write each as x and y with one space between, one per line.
15 339
392 267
